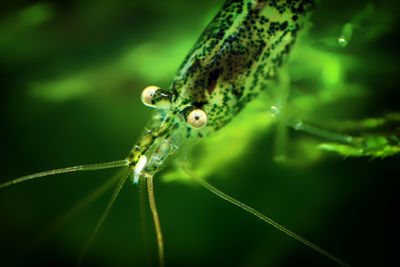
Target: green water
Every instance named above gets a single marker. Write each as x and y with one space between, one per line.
71 77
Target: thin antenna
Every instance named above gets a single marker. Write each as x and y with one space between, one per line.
143 209
186 168
156 219
87 167
64 218
104 215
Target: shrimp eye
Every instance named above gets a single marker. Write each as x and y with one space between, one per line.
197 118
154 97
148 95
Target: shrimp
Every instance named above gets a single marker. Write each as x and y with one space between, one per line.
236 58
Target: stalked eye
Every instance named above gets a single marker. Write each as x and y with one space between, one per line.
197 118
154 97
148 94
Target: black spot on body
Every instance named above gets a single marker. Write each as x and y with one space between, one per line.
189 129
225 57
212 80
284 26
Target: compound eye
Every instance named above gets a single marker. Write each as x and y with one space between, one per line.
148 95
197 118
154 97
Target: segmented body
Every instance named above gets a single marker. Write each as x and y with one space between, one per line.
237 56
234 59
347 176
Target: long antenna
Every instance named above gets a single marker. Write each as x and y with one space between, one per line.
186 168
87 167
68 215
143 208
104 215
156 219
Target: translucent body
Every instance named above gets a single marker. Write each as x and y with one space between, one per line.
276 196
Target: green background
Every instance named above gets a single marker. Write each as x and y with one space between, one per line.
71 77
